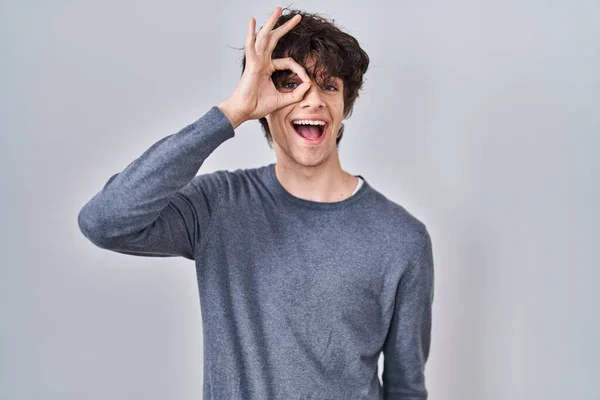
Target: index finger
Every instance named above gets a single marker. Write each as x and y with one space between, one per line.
268 26
289 63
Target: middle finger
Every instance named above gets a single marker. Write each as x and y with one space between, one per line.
282 30
261 37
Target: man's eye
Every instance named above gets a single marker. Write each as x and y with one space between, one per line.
289 85
330 88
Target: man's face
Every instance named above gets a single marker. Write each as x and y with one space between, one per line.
304 133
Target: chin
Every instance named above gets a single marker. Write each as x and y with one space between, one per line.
308 160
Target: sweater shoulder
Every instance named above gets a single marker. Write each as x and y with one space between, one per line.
396 220
240 185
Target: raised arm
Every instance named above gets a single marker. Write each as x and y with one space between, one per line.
406 348
157 206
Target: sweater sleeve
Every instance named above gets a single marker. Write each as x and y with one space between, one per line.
157 206
406 347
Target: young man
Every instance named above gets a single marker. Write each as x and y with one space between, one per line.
306 273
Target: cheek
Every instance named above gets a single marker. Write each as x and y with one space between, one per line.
338 110
337 104
277 123
278 117
269 121
273 120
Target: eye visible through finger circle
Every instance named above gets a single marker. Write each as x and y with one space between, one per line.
290 85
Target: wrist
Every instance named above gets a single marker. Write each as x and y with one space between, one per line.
236 118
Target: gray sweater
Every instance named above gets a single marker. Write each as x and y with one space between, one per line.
298 298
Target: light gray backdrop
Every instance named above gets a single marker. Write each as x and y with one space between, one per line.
479 117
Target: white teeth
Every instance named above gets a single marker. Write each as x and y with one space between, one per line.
308 122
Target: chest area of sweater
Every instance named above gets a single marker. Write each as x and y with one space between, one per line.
332 243
332 263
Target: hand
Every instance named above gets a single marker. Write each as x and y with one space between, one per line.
255 95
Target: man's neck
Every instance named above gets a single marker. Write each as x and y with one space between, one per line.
325 183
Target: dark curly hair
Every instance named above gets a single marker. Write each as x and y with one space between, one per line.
335 54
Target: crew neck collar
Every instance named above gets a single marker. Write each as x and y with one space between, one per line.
278 187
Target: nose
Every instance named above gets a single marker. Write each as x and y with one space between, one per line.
312 98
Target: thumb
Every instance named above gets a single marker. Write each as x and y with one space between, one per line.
296 95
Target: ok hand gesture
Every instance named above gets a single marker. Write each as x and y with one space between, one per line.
255 95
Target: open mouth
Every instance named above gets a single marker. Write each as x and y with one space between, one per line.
310 130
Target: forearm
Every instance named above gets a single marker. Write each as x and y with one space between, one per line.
407 345
133 199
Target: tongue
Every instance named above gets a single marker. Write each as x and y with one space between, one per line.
308 131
